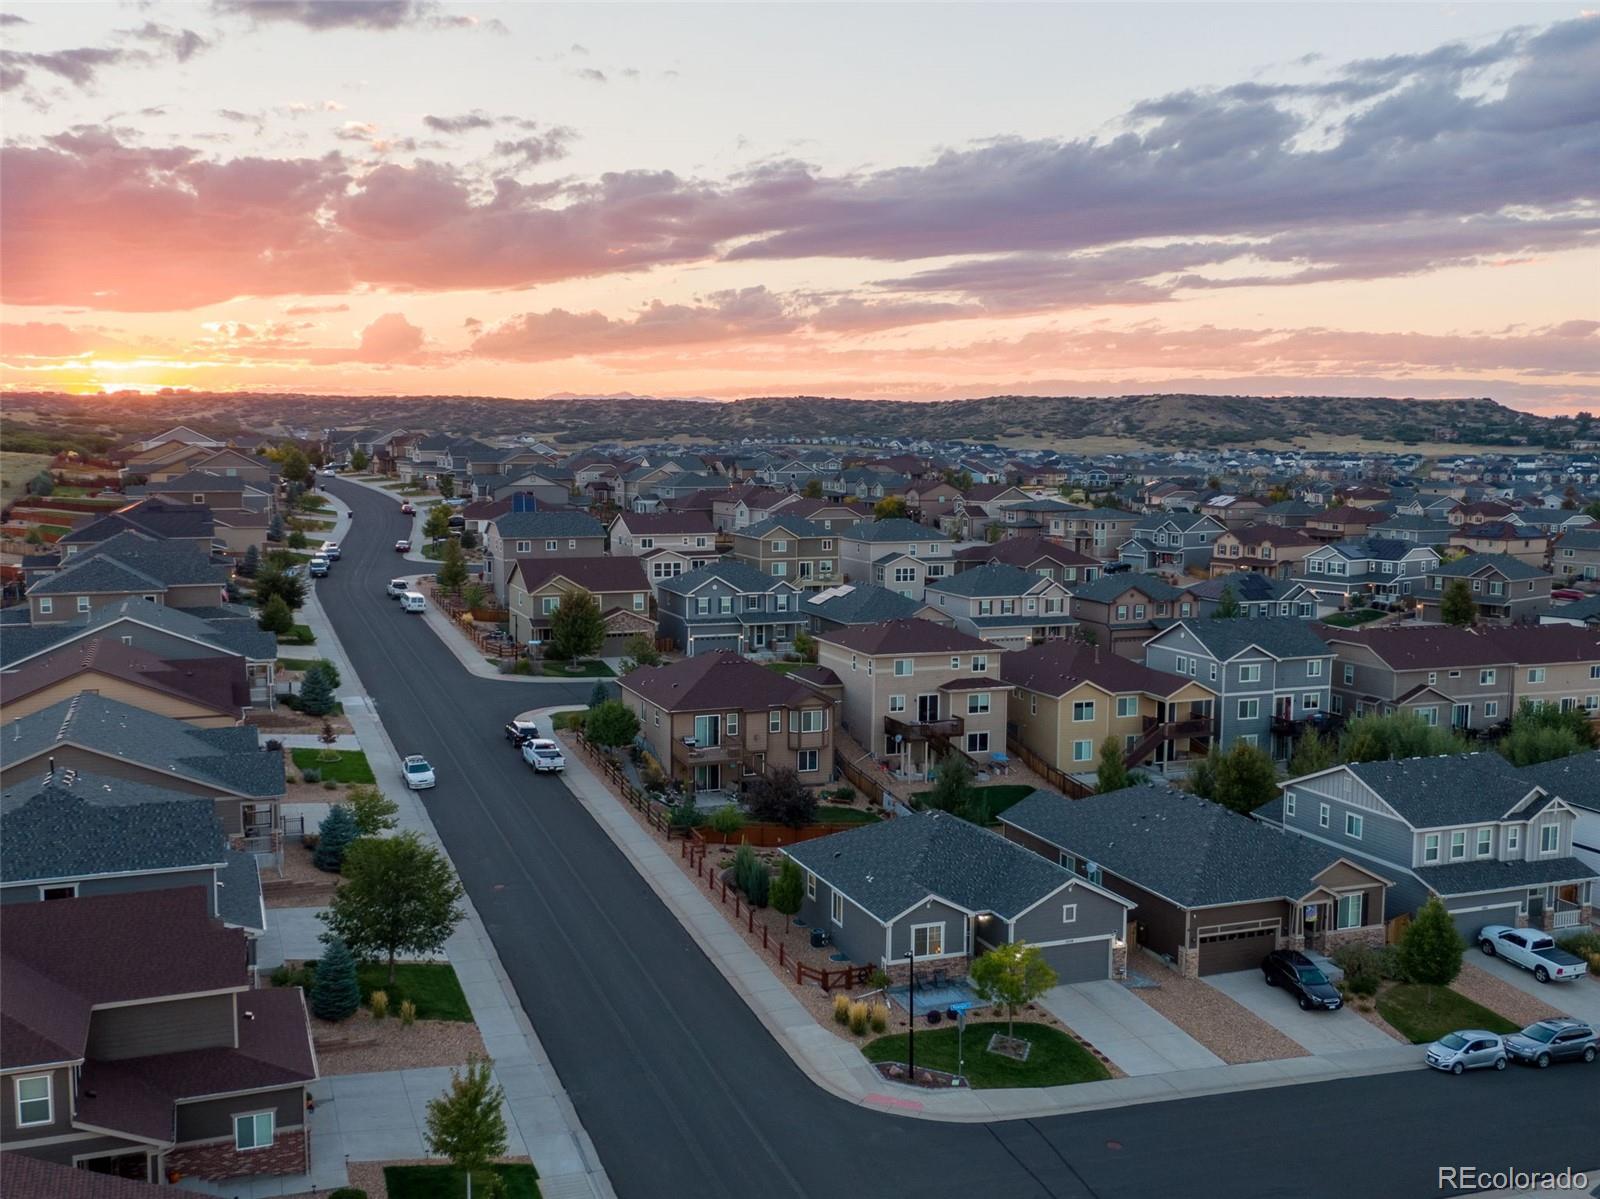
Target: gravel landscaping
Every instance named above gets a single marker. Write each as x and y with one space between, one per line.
361 1045
1515 1004
1229 1030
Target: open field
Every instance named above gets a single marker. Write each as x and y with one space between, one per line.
16 470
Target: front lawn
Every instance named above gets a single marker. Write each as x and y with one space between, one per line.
784 667
447 1182
1407 1007
299 635
432 986
572 718
301 664
1055 1060
578 670
837 814
350 767
1348 620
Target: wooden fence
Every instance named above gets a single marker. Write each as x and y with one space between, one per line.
473 623
768 836
656 814
860 780
1068 786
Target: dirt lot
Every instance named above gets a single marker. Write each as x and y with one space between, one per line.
16 470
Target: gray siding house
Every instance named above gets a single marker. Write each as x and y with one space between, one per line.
729 605
542 534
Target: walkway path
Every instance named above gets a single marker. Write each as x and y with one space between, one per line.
1139 1039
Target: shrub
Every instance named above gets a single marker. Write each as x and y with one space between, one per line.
1362 966
347 1193
760 886
310 840
337 830
517 666
275 617
408 1013
727 820
878 980
880 1017
378 1001
841 1008
745 864
845 794
329 785
650 772
859 1018
311 775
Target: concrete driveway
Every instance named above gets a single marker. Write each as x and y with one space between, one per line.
1318 1032
1139 1039
1580 998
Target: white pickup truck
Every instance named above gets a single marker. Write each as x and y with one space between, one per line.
1532 950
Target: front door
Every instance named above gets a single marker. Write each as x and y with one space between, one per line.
927 708
758 636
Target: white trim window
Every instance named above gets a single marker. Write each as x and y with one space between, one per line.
1458 845
83 603
253 1130
1313 667
46 606
1549 838
1249 709
897 703
1250 672
1513 839
1127 705
806 761
35 1100
977 703
1430 849
1353 825
775 721
1322 815
811 885
1288 803
836 908
1069 913
1082 710
904 667
1348 914
927 940
978 743
1485 842
1082 751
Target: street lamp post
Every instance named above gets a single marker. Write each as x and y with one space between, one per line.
911 1013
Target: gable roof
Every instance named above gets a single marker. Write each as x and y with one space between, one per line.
164 563
1575 779
721 680
739 575
990 579
1249 587
860 603
152 517
783 522
1505 565
1026 551
1189 850
547 522
596 575
897 528
219 683
1278 636
671 520
1056 667
889 867
911 636
1455 789
1107 587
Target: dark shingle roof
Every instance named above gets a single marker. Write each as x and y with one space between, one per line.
1190 850
889 867
548 522
1456 789
913 636
1575 779
1282 637
1108 587
784 522
897 529
1503 564
239 892
722 680
737 574
96 575
1249 587
1056 667
860 603
234 636
1471 878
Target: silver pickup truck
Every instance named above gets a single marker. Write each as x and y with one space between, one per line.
1532 950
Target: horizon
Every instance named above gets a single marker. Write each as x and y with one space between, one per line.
511 202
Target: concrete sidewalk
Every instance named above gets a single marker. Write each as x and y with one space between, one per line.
1139 1039
838 1067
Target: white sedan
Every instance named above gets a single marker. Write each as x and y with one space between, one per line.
544 756
419 774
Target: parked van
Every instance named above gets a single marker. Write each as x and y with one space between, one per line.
319 567
412 601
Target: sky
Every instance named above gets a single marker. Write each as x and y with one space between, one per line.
922 201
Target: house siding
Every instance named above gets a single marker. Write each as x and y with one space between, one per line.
1097 916
121 885
210 1118
60 1111
861 935
171 1026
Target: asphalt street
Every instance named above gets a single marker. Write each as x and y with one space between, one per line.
685 1093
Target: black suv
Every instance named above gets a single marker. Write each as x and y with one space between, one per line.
1559 1039
1291 969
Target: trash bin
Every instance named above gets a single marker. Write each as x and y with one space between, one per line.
819 938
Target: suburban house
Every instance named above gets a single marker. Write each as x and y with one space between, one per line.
1003 604
1469 679
1343 524
1359 571
1047 559
1576 555
899 547
158 520
1422 530
1527 543
846 604
1031 517
982 505
1577 780
729 605
1069 697
1212 890
538 585
670 563
209 692
1232 510
930 892
915 690
220 493
92 734
1270 676
539 534
70 836
128 566
790 547
718 720
1265 549
1099 532
1175 542
1289 514
832 515
137 1046
1492 842
1121 610
737 507
1505 590
1259 596
635 533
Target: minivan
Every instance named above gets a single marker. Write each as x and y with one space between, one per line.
412 601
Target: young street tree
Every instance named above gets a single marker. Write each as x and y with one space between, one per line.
577 629
1430 948
399 895
1113 774
275 617
452 566
359 460
1013 975
788 890
437 526
465 1124
447 486
611 725
1456 605
372 811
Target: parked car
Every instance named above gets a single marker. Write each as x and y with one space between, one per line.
413 601
1466 1049
330 550
544 756
403 546
408 509
396 588
1532 950
519 729
1559 1039
1302 978
318 566
418 772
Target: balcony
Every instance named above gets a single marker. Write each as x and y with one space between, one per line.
1173 730
923 730
687 753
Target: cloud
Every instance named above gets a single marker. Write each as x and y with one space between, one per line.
181 44
589 74
390 338
10 18
536 148
314 309
369 15
47 339
476 119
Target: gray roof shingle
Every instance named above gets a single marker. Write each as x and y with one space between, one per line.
1575 779
548 522
1474 878
896 529
1455 789
990 579
860 603
1282 637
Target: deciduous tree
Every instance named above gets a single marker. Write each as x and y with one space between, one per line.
577 629
399 895
1543 732
1375 738
452 575
1313 752
1430 948
437 525
1456 605
889 507
1113 772
1012 975
611 725
372 810
779 797
466 1124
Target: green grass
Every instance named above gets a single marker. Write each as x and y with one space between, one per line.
447 1182
572 718
1407 1007
352 766
1055 1060
432 986
433 551
1349 620
835 814
580 670
1000 795
297 663
299 635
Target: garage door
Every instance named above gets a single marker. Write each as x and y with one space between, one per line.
1468 923
1085 962
1222 952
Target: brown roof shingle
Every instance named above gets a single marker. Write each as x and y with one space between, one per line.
1056 667
722 681
597 575
910 636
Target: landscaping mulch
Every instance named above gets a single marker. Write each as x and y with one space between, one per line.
1222 1025
1515 1004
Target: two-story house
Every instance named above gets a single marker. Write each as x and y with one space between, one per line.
1121 610
1368 569
538 585
1099 532
1258 596
846 604
128 566
791 547
1173 542
1270 676
729 606
983 505
1506 590
1069 697
866 547
718 721
832 515
159 520
1423 530
1044 517
544 533
1343 524
915 690
1527 542
744 505
136 1044
637 533
1485 837
1265 549
207 692
1576 555
1006 605
1045 558
1234 511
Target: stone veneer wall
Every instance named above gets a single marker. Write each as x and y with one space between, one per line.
289 1153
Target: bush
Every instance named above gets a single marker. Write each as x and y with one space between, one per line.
347 1193
760 887
516 666
727 819
275 617
311 775
859 1018
744 865
1362 966
408 1013
329 785
841 1008
880 1017
378 1001
878 980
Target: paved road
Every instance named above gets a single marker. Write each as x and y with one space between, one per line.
685 1094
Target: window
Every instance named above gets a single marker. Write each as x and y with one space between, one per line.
811 885
1458 845
1122 611
1349 674
1513 839
1313 667
572 543
702 605
1310 701
1549 838
1353 825
1127 705
774 722
253 1131
1288 803
1536 674
1082 710
732 724
45 605
836 909
1322 815
904 667
780 570
1083 751
927 940
638 601
807 761
524 547
780 547
978 703
33 1100
980 663
1430 848
1485 842
83 603
1250 673
1486 678
1429 715
812 720
1349 911
549 603
978 743
1069 913
1249 709
1491 708
552 546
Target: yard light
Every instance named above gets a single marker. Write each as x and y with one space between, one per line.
911 1013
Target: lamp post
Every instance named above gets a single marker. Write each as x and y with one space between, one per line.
911 1014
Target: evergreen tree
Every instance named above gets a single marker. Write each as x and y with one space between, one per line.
335 992
1243 778
1430 948
1227 604
452 567
334 836
275 528
788 890
447 485
251 562
275 617
1113 773
465 1124
1456 605
952 788
577 629
42 484
1312 753
598 694
316 692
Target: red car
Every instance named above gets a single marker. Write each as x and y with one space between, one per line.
403 546
407 510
